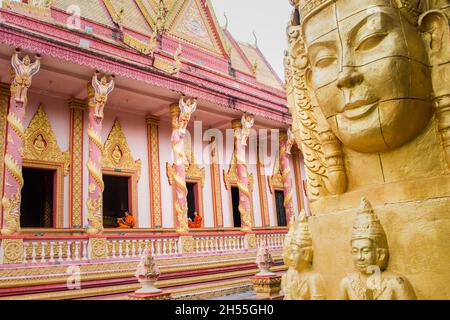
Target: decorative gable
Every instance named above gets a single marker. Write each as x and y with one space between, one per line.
189 22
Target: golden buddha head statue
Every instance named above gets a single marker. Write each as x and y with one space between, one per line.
369 67
297 250
368 241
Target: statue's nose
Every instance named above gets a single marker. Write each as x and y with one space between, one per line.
349 78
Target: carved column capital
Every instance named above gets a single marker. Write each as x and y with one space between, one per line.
77 104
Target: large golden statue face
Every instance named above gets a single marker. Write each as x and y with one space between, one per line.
369 72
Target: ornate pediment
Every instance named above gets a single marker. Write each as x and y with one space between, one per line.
116 152
276 180
230 177
40 142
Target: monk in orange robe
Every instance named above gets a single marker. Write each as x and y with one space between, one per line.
127 222
197 223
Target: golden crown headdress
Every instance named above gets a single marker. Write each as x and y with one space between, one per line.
299 231
410 8
368 226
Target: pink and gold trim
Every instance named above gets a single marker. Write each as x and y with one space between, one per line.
155 173
77 108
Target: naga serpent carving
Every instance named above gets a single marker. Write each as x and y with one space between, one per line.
23 72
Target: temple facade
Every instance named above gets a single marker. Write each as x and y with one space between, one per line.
145 125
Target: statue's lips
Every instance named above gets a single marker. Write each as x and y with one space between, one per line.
359 109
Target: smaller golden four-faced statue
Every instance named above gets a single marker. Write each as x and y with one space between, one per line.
300 282
370 253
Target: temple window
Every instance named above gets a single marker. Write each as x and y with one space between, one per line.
192 199
115 199
38 199
235 206
280 208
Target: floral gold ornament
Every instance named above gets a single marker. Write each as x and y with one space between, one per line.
300 282
370 255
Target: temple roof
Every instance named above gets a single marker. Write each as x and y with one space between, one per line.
191 22
179 46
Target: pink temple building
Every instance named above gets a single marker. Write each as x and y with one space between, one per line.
69 170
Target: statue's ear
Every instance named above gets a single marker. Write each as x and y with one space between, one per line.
434 27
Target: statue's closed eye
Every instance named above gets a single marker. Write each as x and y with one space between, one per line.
370 41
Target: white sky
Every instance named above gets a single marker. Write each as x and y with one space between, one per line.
268 18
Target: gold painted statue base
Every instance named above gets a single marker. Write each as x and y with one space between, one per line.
149 296
267 286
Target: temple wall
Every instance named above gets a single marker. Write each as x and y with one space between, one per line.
257 217
226 155
165 156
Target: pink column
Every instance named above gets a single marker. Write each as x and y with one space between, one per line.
245 206
15 132
97 94
284 155
179 176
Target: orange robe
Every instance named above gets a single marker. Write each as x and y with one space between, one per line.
129 223
197 223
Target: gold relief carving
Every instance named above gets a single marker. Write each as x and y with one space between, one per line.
230 177
76 182
116 152
370 255
40 142
188 22
12 251
164 65
276 180
266 286
116 15
250 241
98 248
300 282
36 7
154 165
384 99
187 244
142 47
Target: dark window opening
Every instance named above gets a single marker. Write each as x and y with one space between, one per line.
191 200
235 202
281 210
37 198
115 199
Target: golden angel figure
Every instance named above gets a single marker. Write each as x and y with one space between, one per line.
102 89
187 108
24 70
247 123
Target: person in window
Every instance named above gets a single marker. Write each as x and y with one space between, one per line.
127 222
197 223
